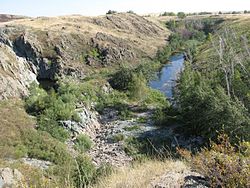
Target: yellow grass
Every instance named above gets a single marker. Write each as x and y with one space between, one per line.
76 24
141 175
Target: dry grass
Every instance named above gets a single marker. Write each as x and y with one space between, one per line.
141 175
89 26
13 120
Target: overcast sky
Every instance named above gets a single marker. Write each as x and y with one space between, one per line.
100 7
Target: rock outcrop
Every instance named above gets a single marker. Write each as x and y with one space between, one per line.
43 48
88 123
43 165
182 179
10 177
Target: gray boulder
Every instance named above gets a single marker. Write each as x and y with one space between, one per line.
10 177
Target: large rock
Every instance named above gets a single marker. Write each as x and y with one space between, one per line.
180 179
37 163
10 177
88 123
16 73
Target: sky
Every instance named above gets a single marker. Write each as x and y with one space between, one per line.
100 7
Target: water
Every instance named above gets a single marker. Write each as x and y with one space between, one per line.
166 79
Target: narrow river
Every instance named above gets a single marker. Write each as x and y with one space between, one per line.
165 80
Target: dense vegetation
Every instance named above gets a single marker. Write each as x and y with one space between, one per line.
208 96
212 96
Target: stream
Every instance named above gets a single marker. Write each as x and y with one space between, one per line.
165 80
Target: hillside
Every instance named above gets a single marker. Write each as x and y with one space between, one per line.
8 17
43 47
125 101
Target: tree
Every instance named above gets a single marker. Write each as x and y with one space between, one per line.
121 79
181 15
111 12
131 12
168 14
206 108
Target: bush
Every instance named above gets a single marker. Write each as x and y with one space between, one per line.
118 137
53 107
138 87
156 99
159 117
111 12
125 113
52 127
36 102
83 143
164 54
104 170
131 12
132 128
121 79
168 14
42 146
84 171
223 164
206 109
181 15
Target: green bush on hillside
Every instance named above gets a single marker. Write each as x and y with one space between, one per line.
181 15
121 79
206 109
52 126
37 100
41 146
83 143
84 171
223 164
138 87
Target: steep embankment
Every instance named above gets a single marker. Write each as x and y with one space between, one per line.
42 48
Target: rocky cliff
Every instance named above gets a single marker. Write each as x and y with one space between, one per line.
34 49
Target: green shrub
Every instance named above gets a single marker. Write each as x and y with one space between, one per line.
124 113
168 14
118 137
36 102
111 12
164 54
83 143
132 128
138 87
104 170
181 15
147 69
160 117
84 171
156 98
223 164
142 120
135 148
206 109
53 107
52 126
121 79
42 146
